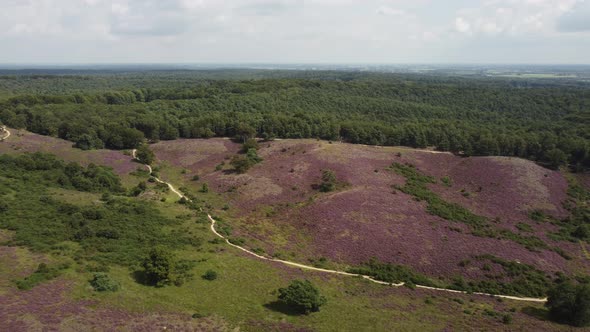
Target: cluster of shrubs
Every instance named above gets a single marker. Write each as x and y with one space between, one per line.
417 186
249 157
161 267
43 273
49 170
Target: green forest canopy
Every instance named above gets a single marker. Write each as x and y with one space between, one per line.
546 122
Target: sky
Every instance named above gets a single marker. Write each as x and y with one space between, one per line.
295 31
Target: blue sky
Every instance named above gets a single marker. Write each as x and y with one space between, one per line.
295 31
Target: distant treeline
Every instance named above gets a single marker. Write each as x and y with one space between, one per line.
546 123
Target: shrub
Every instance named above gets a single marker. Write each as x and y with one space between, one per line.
328 181
196 178
507 319
43 273
250 143
102 282
302 296
446 181
161 268
391 273
241 163
145 154
210 275
570 303
205 188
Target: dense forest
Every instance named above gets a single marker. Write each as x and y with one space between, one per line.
548 123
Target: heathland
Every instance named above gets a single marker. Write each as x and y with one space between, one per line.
453 183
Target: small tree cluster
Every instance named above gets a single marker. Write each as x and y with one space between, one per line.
328 181
145 154
162 268
242 163
302 296
570 303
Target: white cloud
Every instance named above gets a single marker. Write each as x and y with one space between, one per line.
462 25
290 30
384 10
119 8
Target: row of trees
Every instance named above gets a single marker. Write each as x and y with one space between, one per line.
475 118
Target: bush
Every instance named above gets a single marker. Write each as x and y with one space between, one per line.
302 296
250 143
210 275
102 282
569 303
43 273
161 268
328 181
241 163
145 154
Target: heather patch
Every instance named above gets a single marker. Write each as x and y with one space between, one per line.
48 307
28 142
275 201
478 182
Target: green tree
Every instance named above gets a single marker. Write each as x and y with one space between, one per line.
241 163
570 303
158 266
556 158
145 154
328 181
303 296
250 143
244 132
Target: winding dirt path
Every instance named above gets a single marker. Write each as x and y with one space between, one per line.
312 268
6 131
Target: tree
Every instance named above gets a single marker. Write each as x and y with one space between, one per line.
556 158
241 163
145 154
570 303
158 266
303 296
328 181
244 132
250 143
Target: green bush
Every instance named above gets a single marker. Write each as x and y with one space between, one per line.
302 296
145 154
43 273
570 303
328 181
391 273
102 282
210 275
162 268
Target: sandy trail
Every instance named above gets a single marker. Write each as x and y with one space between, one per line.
312 268
6 131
